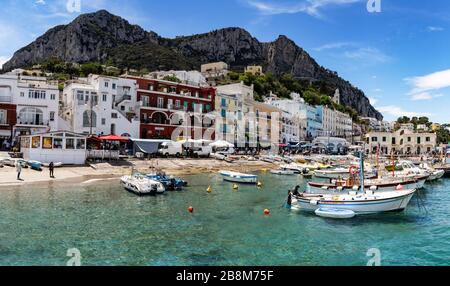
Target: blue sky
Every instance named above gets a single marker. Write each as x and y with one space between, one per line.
399 57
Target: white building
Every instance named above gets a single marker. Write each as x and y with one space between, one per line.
101 105
57 147
186 77
297 108
403 141
36 100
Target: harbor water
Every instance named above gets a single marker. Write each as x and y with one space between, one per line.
110 226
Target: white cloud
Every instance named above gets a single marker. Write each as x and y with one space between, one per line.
332 46
310 7
435 29
424 86
40 2
369 55
399 112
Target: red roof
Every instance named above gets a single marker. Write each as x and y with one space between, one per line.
113 138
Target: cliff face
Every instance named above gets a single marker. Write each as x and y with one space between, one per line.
102 36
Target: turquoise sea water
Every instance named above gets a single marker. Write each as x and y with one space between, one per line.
112 227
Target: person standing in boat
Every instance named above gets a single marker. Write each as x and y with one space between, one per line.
296 192
51 167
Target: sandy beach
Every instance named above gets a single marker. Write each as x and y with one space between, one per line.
100 171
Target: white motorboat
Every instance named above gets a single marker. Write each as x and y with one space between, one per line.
339 173
239 177
434 174
141 185
360 203
283 172
293 167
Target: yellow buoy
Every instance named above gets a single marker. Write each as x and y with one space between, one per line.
259 184
209 189
235 187
264 170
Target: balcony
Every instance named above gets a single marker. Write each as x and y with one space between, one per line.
5 99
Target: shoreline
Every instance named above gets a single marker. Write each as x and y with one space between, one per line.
106 171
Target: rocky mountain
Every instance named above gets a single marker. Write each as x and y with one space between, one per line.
102 37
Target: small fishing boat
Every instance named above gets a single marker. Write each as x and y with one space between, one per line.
293 167
360 203
335 213
379 185
35 165
239 177
308 175
282 172
434 174
141 185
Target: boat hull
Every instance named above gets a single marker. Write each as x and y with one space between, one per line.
317 187
239 178
394 204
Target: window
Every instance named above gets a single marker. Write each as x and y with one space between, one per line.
374 139
52 116
52 96
36 94
103 121
428 139
393 141
47 143
186 105
418 140
31 116
80 95
57 143
122 108
106 84
409 139
22 94
89 119
114 115
384 139
70 144
224 113
104 97
177 103
113 86
170 103
224 102
145 101
81 144
150 87
36 142
160 102
3 117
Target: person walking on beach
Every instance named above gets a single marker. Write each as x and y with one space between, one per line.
19 170
51 167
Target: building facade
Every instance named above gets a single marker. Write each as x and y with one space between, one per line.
168 107
101 105
36 103
403 142
254 70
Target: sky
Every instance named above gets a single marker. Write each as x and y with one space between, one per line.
396 51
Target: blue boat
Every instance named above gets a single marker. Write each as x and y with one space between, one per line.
35 165
170 183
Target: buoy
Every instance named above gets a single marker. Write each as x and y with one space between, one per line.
191 210
266 212
264 170
399 188
209 189
259 184
235 187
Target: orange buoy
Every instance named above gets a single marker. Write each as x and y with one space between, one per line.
266 212
191 210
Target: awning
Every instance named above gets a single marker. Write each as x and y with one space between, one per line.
114 138
146 147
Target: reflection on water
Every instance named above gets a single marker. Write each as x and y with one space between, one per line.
112 227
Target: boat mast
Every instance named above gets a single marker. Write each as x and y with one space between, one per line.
361 157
